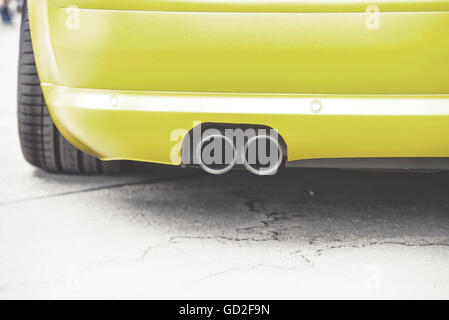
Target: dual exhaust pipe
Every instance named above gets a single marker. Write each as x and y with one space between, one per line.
260 152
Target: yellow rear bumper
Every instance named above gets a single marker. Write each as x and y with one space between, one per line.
123 80
148 126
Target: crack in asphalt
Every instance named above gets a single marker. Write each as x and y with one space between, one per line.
142 257
212 275
318 252
173 240
225 238
267 224
257 206
107 187
304 257
230 270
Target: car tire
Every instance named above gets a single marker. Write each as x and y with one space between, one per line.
42 144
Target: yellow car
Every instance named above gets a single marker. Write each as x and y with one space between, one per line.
308 83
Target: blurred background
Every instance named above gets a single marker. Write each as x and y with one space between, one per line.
8 10
9 50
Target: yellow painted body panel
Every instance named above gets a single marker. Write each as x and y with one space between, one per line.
303 6
329 53
257 48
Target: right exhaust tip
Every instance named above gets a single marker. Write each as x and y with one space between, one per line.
264 155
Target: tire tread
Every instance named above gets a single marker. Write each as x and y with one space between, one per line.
42 144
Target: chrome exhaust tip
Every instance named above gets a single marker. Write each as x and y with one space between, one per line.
264 155
216 154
